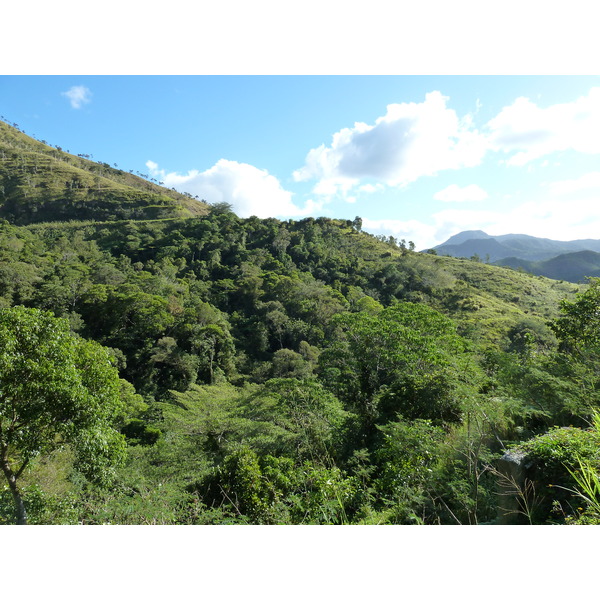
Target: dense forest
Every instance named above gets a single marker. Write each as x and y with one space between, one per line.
163 361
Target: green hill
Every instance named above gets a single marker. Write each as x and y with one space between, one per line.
39 183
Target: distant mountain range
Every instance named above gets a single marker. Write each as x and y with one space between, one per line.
570 261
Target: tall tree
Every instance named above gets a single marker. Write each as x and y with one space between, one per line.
56 389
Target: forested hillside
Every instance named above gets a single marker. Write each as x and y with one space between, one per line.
194 367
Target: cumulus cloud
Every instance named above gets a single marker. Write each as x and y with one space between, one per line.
410 141
413 140
78 95
527 131
454 193
251 191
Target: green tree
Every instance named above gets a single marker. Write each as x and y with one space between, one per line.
577 364
313 416
406 457
577 327
55 389
357 223
407 359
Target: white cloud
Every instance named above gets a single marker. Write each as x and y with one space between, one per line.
445 224
451 221
556 219
78 95
251 191
585 183
413 140
454 193
415 231
410 141
527 131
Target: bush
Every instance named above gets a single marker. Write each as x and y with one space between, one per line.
556 454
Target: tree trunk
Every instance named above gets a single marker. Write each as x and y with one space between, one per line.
20 511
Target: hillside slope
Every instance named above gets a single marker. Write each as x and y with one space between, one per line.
308 342
43 187
39 183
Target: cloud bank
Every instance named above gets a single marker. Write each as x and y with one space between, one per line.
551 217
413 140
251 191
588 183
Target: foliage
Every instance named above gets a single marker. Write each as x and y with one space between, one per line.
587 480
55 389
577 327
405 457
407 359
274 490
557 455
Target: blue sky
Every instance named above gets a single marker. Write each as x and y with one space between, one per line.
417 157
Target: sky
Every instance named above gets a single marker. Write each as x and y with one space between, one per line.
416 157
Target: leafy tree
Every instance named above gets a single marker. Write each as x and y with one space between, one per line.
557 456
55 389
269 489
287 363
220 208
578 326
407 359
577 364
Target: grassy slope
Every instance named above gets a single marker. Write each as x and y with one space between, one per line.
479 296
40 183
497 299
